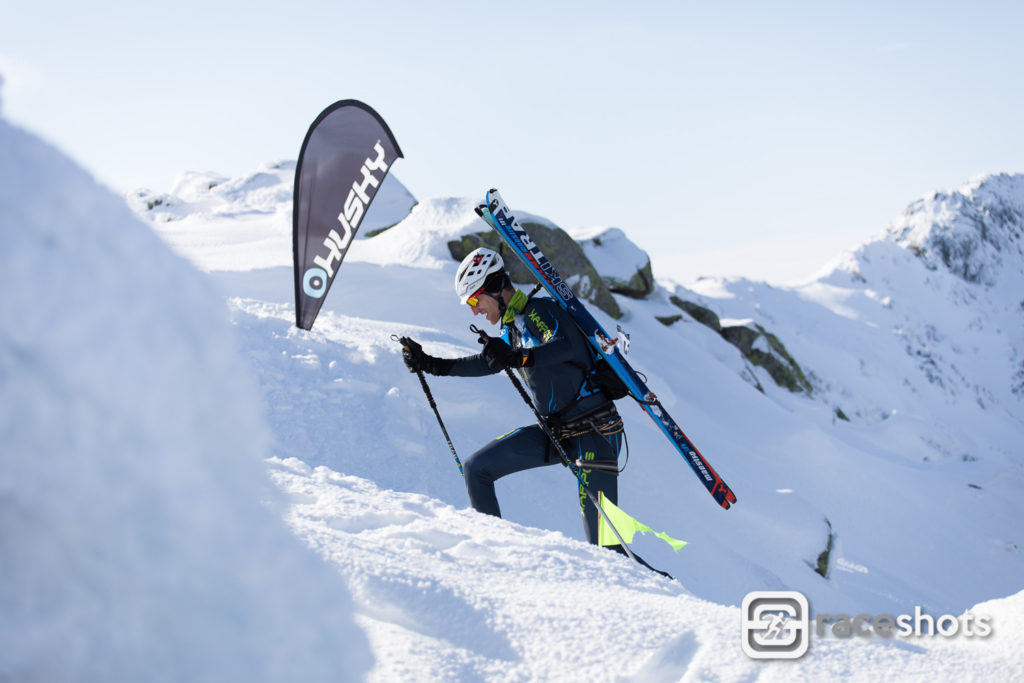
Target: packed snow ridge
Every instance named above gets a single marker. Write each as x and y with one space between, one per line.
144 403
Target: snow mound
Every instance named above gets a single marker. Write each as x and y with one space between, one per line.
421 240
237 224
625 267
135 545
611 252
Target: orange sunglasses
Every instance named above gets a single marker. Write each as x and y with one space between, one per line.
474 299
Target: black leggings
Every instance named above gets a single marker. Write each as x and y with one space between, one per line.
528 447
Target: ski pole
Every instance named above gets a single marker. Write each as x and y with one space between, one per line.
558 447
437 414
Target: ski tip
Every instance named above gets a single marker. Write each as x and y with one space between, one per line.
480 210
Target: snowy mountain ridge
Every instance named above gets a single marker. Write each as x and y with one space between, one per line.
925 321
975 232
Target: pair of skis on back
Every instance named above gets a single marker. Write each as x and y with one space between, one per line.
497 214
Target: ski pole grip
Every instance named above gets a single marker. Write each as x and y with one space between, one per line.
483 337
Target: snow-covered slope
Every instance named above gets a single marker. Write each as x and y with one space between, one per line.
895 531
140 540
449 595
441 592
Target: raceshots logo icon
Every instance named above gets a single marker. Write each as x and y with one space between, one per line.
776 625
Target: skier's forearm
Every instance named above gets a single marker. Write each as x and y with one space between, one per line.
472 366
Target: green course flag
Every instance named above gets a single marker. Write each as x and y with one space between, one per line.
626 526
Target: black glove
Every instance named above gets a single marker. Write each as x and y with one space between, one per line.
499 354
416 359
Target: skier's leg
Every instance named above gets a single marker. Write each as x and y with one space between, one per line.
598 450
518 450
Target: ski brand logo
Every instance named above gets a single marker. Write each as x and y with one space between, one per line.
672 429
585 480
533 254
542 327
316 277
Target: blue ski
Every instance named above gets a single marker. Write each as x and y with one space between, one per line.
499 217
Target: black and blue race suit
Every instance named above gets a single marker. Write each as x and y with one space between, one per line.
562 360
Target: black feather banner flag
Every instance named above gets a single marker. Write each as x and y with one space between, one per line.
343 161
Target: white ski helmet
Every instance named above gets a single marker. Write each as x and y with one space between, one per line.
474 269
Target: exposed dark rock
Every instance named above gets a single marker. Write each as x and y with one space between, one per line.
782 367
740 336
668 320
826 554
705 316
776 361
640 286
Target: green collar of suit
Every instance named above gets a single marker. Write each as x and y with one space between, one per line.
514 307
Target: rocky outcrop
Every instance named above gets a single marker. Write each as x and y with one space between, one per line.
759 346
705 316
639 286
625 268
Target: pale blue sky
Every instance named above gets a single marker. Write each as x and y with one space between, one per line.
726 138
